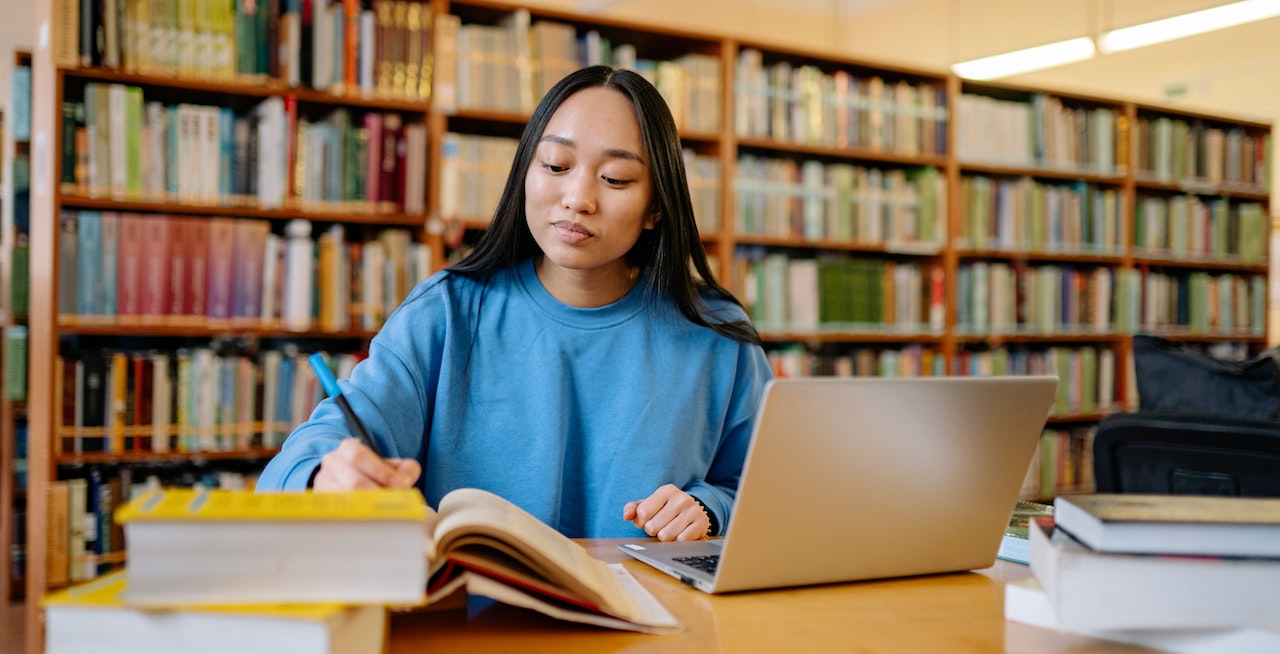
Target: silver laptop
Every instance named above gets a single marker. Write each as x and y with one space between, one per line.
868 478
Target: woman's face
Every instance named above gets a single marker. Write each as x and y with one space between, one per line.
588 191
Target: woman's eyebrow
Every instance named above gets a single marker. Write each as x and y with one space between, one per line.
613 153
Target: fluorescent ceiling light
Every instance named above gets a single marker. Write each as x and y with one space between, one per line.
1027 60
1196 22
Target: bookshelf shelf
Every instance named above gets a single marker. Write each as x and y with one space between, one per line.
154 458
993 339
247 86
1198 263
1234 191
908 145
317 214
1043 173
887 249
873 334
1041 255
853 154
211 331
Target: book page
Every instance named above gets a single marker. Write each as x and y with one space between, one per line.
651 617
472 520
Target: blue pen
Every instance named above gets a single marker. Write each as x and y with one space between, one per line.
331 388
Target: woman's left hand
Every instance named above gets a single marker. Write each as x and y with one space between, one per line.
668 514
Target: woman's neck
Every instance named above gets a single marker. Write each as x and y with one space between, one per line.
587 289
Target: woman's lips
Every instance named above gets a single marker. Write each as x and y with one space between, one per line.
571 232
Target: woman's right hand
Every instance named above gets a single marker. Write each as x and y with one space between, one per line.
354 466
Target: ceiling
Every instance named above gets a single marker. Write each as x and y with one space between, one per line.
1233 72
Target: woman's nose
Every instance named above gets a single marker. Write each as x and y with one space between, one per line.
579 195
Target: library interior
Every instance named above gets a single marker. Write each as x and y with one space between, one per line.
197 196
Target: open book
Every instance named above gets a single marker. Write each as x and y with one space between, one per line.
217 547
493 548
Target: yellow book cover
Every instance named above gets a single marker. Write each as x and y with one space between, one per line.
94 617
191 504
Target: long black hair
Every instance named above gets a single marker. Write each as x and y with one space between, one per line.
672 249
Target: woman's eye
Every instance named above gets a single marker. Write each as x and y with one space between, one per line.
613 181
554 168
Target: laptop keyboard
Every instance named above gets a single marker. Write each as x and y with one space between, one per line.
706 563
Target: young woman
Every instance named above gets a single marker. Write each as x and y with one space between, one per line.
581 362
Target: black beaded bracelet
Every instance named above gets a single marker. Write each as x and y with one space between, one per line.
713 527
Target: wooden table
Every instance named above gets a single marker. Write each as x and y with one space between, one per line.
952 613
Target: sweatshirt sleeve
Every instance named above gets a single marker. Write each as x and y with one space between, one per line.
388 391
720 488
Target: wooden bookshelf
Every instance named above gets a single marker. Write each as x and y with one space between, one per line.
13 238
903 142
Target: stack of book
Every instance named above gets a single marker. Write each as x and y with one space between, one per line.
1176 572
224 570
236 571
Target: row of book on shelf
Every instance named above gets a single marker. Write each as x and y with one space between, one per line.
509 65
802 103
1200 228
1040 132
1180 573
117 143
380 47
1003 298
1192 152
122 268
1090 378
785 292
212 398
843 202
220 569
1023 215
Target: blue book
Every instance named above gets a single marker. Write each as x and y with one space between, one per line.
226 151
110 262
284 390
88 265
22 103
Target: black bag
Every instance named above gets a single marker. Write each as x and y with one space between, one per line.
1176 378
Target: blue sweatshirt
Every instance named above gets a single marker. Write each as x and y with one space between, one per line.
569 413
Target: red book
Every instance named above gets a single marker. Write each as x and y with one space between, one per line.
142 376
291 144
351 45
196 278
153 300
221 270
388 187
129 269
179 269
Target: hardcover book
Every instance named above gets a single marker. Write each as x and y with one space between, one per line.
93 617
1091 591
217 547
1172 524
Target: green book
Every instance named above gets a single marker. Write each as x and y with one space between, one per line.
15 363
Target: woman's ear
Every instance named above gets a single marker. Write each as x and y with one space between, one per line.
652 219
